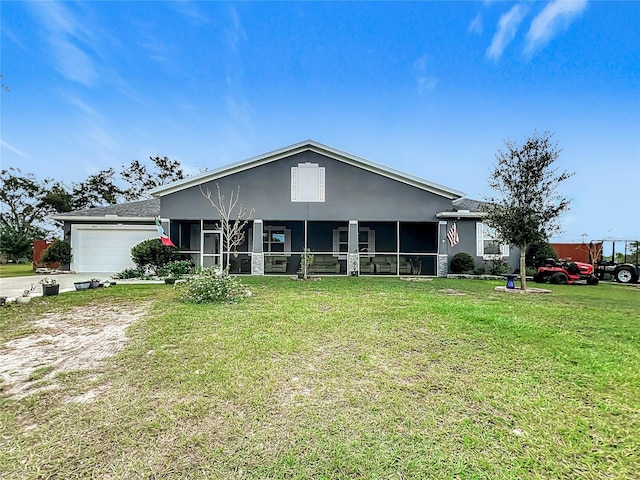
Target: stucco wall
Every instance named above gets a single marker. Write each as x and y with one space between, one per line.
351 193
467 236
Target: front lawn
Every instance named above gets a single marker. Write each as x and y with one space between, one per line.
343 378
16 270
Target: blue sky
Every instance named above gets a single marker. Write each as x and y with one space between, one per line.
429 88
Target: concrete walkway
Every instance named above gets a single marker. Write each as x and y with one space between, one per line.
12 287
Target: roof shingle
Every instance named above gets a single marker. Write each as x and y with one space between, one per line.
141 208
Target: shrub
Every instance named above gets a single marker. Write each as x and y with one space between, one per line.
175 269
462 262
538 252
498 267
211 286
152 254
129 273
58 251
531 271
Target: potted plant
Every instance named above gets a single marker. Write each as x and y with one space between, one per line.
26 295
306 260
82 285
49 287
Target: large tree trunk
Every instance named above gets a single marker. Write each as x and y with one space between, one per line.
523 266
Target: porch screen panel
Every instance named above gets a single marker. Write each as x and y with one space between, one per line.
381 237
419 237
185 234
321 236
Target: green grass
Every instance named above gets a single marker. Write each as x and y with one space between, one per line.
16 270
345 378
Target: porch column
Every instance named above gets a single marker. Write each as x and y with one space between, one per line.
353 260
257 255
443 249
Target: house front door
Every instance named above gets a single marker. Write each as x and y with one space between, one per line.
211 249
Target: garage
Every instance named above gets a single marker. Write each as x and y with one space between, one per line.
106 248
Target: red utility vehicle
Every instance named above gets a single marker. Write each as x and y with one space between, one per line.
564 272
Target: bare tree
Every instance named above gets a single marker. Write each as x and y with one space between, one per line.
233 234
595 252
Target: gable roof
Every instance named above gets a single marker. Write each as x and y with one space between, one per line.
308 145
140 210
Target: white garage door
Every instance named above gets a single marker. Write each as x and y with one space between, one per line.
106 248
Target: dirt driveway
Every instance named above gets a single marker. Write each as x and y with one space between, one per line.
79 339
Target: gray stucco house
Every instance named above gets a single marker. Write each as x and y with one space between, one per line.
350 213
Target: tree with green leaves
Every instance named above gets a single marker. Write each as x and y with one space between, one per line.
108 187
15 245
20 210
21 217
539 250
525 206
98 190
141 178
26 202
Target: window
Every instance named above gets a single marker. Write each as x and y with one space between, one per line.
366 241
487 246
276 240
307 183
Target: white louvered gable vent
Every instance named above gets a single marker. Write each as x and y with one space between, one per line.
307 183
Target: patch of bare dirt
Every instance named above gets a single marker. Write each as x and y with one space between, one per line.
79 339
520 291
452 292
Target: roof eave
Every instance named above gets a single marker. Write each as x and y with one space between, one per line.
461 215
101 218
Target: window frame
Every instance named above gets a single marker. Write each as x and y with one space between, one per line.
370 248
268 231
483 233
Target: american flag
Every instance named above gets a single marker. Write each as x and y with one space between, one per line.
452 235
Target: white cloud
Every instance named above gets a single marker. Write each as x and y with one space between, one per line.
235 32
507 28
13 149
555 17
73 63
240 113
191 12
424 80
65 33
426 84
85 108
476 25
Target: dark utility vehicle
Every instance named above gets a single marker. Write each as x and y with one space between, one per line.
627 271
564 272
